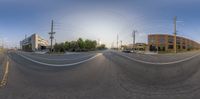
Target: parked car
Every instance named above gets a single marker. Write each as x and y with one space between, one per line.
126 51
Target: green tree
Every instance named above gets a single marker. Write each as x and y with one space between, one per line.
81 43
62 47
101 47
90 45
56 47
87 44
94 44
67 45
59 47
73 46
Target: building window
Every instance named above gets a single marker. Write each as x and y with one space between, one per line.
162 39
178 41
170 39
151 40
170 46
183 42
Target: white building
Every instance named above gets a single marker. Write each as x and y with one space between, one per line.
34 43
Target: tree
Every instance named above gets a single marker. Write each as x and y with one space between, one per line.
67 45
73 46
101 47
56 47
80 43
62 47
94 44
59 47
90 45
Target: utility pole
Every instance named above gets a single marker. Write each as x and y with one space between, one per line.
121 44
175 49
2 43
25 41
133 35
117 41
52 35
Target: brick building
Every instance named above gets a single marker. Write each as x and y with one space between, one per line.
165 42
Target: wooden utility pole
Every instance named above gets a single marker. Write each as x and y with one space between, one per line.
121 44
133 35
52 35
2 43
175 49
117 41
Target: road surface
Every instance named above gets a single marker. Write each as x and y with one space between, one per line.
106 75
2 61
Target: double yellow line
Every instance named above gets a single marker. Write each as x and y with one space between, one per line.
3 82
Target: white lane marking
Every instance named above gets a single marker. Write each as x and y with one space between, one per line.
5 75
57 59
61 65
167 63
71 53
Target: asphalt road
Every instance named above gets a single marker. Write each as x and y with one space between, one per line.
2 58
58 59
161 58
107 76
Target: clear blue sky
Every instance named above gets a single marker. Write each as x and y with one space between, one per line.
97 19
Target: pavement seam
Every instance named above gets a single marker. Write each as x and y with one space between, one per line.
62 65
167 63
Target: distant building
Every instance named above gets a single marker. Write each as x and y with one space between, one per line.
137 46
165 42
34 43
140 46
